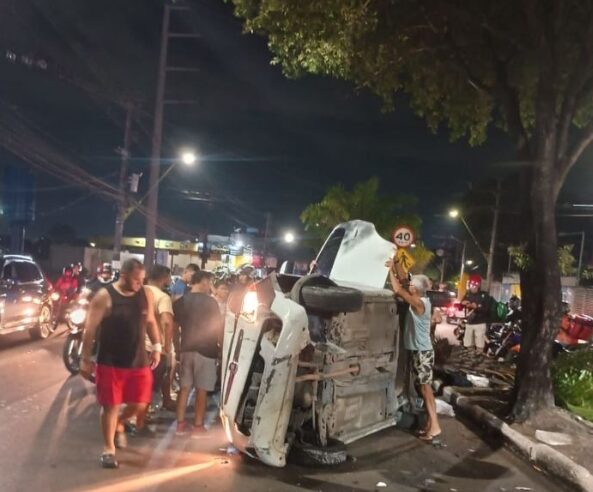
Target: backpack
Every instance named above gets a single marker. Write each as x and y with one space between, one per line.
498 310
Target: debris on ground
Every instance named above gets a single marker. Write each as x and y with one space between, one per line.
553 438
478 381
443 408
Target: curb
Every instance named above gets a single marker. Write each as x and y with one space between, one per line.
539 454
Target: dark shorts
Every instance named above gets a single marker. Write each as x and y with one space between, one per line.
422 364
117 385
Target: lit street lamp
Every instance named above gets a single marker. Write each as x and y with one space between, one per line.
188 158
289 238
469 262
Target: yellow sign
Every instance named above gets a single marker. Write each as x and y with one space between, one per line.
405 259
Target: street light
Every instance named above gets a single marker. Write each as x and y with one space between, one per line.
189 158
469 262
453 213
289 238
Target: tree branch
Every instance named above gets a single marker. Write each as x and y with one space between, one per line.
509 98
585 139
579 84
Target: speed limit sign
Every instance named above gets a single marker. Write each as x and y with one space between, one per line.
403 236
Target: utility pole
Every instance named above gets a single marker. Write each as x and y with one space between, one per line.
493 234
157 138
122 202
462 271
267 236
157 135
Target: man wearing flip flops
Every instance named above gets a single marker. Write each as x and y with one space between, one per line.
418 344
120 315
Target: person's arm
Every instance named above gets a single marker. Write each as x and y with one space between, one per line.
167 323
97 310
152 330
413 300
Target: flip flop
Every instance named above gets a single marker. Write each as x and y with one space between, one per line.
429 437
108 461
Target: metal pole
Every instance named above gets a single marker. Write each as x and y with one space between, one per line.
443 270
493 235
157 136
462 271
580 266
122 202
474 239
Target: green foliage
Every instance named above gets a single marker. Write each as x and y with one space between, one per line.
520 258
364 202
461 63
573 382
566 260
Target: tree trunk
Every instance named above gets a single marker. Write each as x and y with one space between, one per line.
541 300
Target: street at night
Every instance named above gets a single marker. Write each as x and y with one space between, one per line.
50 427
321 245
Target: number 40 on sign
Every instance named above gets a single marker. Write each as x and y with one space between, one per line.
403 236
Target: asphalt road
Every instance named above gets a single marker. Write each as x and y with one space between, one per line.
50 441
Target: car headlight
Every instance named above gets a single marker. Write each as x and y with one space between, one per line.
78 316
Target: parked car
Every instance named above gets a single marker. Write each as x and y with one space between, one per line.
25 297
312 363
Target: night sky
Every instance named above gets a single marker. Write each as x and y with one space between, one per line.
267 144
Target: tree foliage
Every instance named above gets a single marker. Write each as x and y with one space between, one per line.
364 202
566 259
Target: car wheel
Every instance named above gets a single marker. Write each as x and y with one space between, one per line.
320 294
44 325
306 454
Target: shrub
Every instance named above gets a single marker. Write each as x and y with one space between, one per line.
573 382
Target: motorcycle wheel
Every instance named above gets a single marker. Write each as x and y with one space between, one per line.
72 352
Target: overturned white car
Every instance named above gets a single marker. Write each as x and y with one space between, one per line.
315 362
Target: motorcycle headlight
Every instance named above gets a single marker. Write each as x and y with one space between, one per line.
78 316
55 296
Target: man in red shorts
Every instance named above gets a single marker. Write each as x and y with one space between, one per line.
119 317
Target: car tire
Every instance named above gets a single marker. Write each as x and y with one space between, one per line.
44 325
306 454
322 295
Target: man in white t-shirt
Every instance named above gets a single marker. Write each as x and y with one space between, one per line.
158 278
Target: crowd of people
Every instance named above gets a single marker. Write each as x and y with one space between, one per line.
143 325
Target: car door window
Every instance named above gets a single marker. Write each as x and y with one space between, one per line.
327 256
8 272
27 272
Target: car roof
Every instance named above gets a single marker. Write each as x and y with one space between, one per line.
17 257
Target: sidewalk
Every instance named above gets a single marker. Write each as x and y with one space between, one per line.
555 441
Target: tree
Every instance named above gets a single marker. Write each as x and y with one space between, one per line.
524 65
364 202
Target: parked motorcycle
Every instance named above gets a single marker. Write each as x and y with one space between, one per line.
502 338
75 319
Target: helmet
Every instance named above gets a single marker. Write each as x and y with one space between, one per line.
67 271
246 269
475 280
514 303
105 268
